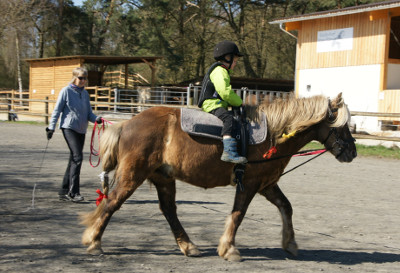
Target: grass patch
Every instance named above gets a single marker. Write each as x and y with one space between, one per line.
364 150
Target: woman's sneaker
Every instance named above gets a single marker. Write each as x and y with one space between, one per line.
63 197
75 198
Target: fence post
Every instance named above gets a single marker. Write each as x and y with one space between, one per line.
95 98
116 99
244 94
188 94
9 106
132 106
195 95
12 99
46 110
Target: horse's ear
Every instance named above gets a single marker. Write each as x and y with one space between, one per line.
338 101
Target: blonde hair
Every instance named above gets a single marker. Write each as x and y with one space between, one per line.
78 72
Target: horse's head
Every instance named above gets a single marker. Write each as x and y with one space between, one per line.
334 132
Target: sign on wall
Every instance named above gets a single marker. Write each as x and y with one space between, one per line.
335 40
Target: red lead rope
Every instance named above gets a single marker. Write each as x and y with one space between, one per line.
310 152
100 130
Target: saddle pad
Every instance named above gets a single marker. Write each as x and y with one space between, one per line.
199 123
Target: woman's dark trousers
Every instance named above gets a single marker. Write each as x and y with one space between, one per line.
75 142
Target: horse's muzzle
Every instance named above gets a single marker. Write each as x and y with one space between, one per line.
347 153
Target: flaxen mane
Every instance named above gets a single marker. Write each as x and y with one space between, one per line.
293 115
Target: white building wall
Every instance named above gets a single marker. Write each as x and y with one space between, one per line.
359 85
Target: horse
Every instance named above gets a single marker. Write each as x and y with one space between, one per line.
144 96
153 146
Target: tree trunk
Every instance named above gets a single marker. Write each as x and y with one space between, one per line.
105 29
60 27
41 44
18 67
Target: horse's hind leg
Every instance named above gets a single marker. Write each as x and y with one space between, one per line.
276 197
166 191
127 182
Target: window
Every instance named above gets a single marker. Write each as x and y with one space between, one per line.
394 44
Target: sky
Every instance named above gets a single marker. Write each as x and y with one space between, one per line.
77 2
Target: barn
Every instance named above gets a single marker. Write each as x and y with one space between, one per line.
47 76
353 50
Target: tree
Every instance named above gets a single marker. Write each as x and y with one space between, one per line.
16 35
233 13
183 32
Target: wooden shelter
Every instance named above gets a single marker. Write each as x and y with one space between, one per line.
355 51
47 76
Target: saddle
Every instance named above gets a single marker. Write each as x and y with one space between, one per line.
199 123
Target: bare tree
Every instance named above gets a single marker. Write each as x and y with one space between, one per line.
234 13
14 23
20 29
59 27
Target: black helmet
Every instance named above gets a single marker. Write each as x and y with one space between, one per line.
224 48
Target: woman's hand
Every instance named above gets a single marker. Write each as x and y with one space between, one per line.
49 133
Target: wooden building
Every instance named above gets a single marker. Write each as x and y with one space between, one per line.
47 76
355 51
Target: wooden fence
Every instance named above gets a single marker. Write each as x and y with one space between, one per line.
11 104
118 79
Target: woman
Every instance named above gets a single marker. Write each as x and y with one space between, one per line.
73 104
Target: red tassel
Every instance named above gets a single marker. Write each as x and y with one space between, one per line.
270 152
100 198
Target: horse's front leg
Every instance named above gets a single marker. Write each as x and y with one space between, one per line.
166 191
226 247
276 197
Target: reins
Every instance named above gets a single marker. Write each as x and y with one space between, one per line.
316 152
100 130
301 153
301 164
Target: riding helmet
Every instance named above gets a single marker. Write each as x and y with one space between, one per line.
224 48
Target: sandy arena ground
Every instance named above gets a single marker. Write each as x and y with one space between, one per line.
346 217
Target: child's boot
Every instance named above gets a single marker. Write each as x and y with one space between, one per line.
230 152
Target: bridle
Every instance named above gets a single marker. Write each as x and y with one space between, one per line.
342 144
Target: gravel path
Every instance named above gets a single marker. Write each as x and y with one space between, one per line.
346 218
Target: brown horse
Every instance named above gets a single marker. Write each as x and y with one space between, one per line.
153 146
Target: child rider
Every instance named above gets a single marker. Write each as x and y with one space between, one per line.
217 95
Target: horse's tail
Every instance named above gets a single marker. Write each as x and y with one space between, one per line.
109 158
109 147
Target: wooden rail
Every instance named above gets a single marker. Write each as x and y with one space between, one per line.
375 137
110 105
375 114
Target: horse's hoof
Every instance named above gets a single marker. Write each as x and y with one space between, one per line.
95 249
95 252
233 255
234 258
191 250
292 248
194 252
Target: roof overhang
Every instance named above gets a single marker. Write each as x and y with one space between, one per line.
106 60
375 7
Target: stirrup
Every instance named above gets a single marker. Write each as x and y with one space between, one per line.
238 180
